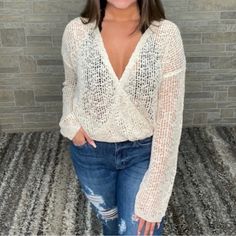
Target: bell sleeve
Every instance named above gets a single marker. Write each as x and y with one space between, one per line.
69 123
157 184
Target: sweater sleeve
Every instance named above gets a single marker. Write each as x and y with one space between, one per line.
156 187
69 124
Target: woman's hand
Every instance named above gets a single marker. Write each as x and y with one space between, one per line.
149 226
81 137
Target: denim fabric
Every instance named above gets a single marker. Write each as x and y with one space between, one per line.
109 176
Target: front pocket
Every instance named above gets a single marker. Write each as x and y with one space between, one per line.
80 146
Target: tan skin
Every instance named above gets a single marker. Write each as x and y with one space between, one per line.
119 21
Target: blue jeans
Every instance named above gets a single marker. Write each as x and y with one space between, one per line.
109 176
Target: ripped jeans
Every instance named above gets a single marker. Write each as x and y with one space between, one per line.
109 176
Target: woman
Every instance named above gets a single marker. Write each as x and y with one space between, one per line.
123 99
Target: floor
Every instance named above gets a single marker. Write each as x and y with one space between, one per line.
39 193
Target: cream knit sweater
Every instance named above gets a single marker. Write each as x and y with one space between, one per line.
147 100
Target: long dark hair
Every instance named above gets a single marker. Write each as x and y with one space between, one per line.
150 10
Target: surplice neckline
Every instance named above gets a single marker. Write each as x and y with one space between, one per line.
131 60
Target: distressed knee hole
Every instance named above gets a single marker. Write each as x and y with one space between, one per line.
109 214
122 226
99 203
96 199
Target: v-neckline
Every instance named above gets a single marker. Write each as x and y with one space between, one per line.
131 60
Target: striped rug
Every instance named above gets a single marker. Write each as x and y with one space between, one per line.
39 193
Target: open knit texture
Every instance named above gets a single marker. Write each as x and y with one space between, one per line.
147 100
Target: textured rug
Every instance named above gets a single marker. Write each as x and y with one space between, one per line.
39 193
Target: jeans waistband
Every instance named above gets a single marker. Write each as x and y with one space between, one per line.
130 141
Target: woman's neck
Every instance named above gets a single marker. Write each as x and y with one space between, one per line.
115 14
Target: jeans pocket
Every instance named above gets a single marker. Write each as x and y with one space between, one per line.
81 145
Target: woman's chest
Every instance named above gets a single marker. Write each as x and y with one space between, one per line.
119 42
133 65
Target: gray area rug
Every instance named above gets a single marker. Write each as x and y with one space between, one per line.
40 195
